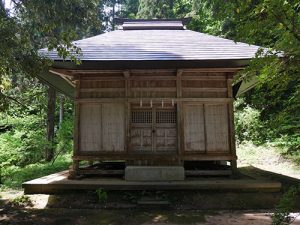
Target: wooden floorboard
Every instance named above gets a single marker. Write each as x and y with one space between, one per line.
58 182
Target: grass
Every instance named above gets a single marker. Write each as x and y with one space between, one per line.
12 177
266 157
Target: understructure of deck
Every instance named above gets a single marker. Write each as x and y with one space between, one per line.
59 182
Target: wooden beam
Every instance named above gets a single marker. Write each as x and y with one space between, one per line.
61 72
102 89
178 83
154 100
196 89
162 89
163 157
207 172
133 71
153 78
235 69
95 171
204 78
124 156
64 76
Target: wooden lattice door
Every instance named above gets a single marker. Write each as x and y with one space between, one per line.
153 129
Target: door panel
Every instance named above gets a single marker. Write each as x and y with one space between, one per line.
141 139
141 130
153 129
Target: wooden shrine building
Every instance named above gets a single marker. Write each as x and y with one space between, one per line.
155 96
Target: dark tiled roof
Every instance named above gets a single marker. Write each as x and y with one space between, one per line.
159 44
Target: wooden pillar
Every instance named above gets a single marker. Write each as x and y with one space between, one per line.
126 74
179 116
233 163
74 170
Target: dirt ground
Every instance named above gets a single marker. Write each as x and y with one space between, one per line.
133 217
85 209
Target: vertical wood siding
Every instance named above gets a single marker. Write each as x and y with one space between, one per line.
194 133
201 101
102 127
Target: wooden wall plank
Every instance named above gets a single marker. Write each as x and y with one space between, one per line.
194 137
113 127
216 122
90 127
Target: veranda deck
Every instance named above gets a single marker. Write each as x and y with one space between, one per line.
59 182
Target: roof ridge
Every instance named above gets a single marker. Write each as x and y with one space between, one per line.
120 21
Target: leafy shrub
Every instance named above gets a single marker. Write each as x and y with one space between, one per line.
25 143
247 122
64 136
101 195
21 201
22 149
286 205
290 146
14 176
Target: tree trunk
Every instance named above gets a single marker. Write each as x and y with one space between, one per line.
61 110
113 14
50 123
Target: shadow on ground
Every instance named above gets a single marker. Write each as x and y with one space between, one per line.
258 173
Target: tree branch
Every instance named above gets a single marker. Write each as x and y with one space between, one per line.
15 100
292 31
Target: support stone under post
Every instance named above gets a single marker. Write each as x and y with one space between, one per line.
74 169
233 165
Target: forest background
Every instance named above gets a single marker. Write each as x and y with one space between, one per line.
36 122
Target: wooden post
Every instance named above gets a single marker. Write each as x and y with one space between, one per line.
73 173
179 115
233 163
126 74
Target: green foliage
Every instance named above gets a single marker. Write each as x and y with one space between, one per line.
21 201
64 136
101 195
14 176
274 24
35 24
159 9
289 145
22 149
247 122
287 204
24 144
129 8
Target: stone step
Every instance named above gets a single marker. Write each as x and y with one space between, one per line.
154 173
